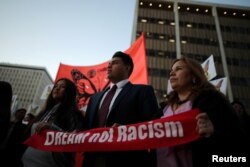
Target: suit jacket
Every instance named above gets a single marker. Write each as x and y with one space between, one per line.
134 104
228 139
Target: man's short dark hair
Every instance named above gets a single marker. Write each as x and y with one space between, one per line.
239 103
127 60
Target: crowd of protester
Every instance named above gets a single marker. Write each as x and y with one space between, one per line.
220 123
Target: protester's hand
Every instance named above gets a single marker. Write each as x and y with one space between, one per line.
115 125
204 125
41 126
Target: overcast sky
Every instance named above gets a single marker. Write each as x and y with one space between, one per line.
46 33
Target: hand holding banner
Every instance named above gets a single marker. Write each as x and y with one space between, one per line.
168 131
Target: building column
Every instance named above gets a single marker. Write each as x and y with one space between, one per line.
222 52
133 37
177 30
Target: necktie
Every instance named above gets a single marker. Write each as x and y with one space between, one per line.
103 111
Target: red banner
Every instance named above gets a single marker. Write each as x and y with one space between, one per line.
92 79
169 131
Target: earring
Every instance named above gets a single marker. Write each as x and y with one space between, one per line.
193 80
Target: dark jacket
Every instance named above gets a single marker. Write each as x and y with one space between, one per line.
134 104
227 140
69 122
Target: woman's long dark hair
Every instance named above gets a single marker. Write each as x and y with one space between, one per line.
67 106
69 98
200 80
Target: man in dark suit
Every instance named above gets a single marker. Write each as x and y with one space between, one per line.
130 104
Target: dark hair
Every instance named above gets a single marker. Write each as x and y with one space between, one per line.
69 98
21 109
199 76
127 60
5 99
68 103
5 108
239 103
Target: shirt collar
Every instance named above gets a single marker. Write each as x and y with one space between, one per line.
120 84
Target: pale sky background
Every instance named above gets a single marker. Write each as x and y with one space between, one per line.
46 33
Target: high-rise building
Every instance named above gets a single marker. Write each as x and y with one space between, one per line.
197 30
28 83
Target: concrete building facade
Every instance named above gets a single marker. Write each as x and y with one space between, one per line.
28 83
196 29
